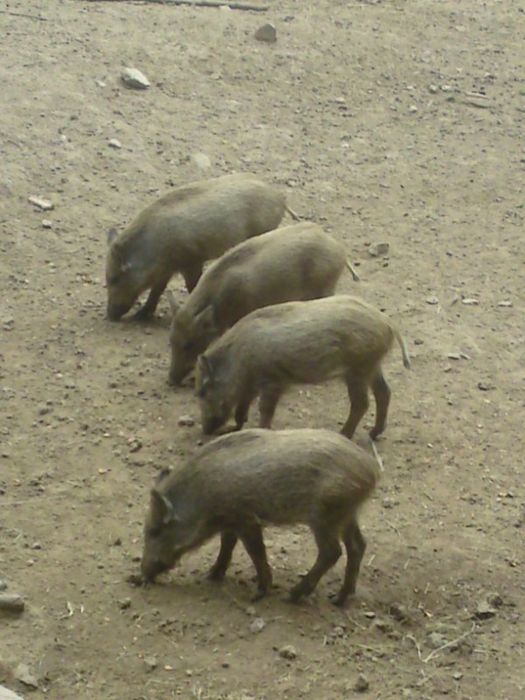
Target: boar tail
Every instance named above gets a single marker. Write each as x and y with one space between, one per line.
294 216
352 270
403 346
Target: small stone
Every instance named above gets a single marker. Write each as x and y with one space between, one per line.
124 603
398 612
505 303
257 625
436 640
23 674
6 694
432 301
266 32
134 444
370 614
114 143
201 160
454 356
457 675
135 580
484 610
378 249
46 223
361 685
412 109
382 625
494 598
484 386
470 302
11 603
133 78
446 88
151 663
433 88
288 652
187 421
250 610
41 203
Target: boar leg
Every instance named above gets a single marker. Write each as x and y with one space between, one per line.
381 392
358 395
329 551
355 545
147 311
192 275
241 412
228 542
270 396
252 539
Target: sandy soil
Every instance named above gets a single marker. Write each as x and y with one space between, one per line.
363 112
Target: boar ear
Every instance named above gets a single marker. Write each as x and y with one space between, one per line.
112 234
162 507
172 302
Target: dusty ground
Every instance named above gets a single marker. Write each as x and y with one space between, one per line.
360 110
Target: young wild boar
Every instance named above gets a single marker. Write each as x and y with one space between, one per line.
182 230
241 482
294 262
299 342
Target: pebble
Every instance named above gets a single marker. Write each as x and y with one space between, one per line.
398 612
378 249
201 160
470 302
494 599
257 625
151 663
484 386
23 674
186 421
484 610
133 78
433 88
361 685
288 652
124 603
41 203
6 694
432 301
267 32
505 303
11 602
436 640
412 109
46 223
114 143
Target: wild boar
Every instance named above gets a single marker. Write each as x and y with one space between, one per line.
180 231
299 342
294 262
241 482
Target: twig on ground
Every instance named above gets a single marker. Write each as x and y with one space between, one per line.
449 644
202 3
23 14
416 643
377 455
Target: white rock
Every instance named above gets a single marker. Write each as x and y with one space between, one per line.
266 32
201 160
114 143
133 78
378 249
6 694
41 203
257 625
23 674
186 421
46 223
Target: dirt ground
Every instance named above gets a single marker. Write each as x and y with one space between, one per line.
398 122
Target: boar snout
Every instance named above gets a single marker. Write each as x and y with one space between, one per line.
114 312
150 569
177 374
211 424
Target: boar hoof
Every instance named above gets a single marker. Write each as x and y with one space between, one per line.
143 314
216 574
261 593
375 433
